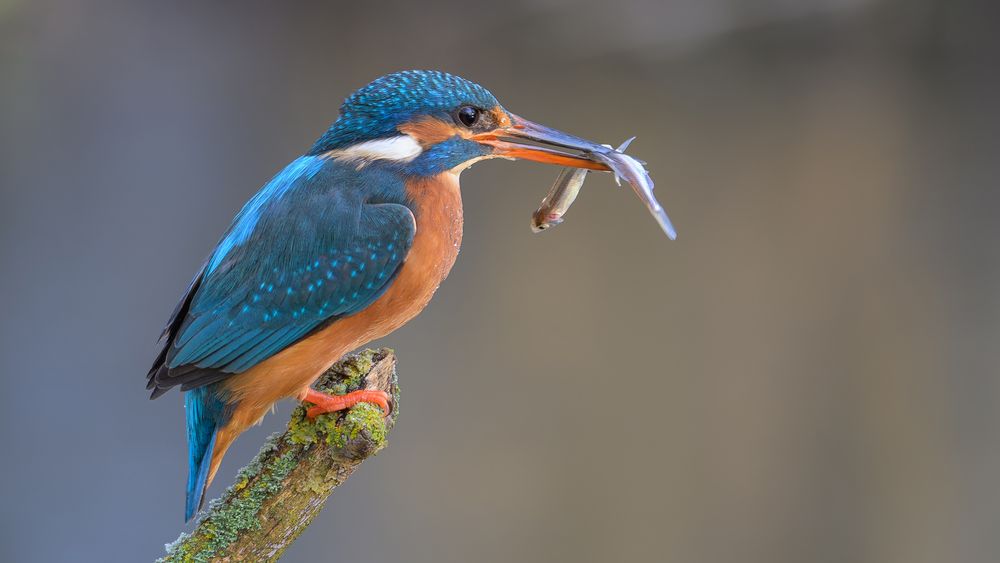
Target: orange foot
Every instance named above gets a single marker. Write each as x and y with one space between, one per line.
332 403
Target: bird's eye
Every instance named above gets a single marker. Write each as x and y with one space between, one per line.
468 115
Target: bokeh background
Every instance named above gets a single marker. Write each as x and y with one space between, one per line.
808 374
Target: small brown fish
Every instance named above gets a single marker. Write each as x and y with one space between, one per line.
561 196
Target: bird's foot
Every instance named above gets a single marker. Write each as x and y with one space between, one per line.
331 403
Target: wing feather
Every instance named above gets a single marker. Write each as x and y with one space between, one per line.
310 257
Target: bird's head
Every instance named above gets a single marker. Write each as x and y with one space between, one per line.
429 122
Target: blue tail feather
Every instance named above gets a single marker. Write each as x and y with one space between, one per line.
196 483
205 415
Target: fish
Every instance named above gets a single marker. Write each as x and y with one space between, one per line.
632 171
561 195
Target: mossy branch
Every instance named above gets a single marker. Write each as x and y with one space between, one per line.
277 495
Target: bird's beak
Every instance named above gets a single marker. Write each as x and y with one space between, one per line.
508 141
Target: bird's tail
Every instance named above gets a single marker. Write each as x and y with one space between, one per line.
206 414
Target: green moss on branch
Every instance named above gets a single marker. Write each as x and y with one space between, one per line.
276 496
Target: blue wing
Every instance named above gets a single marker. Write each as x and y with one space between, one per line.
312 246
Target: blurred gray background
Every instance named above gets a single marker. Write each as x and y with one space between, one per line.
808 374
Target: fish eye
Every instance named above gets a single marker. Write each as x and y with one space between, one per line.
469 115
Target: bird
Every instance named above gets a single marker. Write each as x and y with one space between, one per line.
343 246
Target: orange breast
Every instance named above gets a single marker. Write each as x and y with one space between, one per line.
438 213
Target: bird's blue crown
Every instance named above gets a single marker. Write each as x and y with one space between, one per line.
374 111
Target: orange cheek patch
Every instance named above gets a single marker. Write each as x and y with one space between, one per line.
430 131
500 117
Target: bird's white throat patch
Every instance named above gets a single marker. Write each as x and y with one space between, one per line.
401 148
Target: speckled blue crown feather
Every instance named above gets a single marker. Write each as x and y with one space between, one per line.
376 110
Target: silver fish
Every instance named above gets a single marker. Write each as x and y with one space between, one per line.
632 171
561 195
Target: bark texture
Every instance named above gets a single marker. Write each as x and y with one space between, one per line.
277 495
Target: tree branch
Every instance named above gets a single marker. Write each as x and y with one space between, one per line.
277 495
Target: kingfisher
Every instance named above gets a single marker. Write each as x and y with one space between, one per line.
343 246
